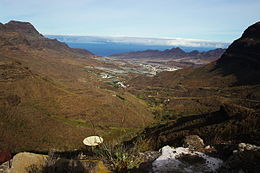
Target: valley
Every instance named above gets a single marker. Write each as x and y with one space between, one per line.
54 96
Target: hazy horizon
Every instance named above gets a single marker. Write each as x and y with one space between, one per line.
141 40
106 46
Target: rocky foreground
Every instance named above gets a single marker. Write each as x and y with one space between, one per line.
193 156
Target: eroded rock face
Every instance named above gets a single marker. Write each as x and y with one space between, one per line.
193 142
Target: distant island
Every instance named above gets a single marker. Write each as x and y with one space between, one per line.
109 45
172 53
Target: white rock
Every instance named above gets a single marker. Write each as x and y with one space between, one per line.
93 140
169 161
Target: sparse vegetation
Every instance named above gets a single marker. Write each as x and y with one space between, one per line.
119 156
214 128
56 102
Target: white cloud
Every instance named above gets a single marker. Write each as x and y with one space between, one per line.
141 40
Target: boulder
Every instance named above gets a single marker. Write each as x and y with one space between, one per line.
193 142
28 162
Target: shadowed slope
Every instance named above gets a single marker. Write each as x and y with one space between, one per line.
242 58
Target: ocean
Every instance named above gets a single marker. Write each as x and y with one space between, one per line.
107 49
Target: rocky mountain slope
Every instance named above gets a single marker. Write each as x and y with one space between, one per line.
14 33
242 58
50 100
219 102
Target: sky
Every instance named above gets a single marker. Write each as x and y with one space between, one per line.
216 20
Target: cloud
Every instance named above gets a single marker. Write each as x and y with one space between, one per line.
141 40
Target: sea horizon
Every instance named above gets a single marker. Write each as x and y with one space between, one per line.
108 49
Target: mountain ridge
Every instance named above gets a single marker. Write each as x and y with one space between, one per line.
25 33
238 65
173 53
242 57
21 27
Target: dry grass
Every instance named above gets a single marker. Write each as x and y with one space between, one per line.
43 113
